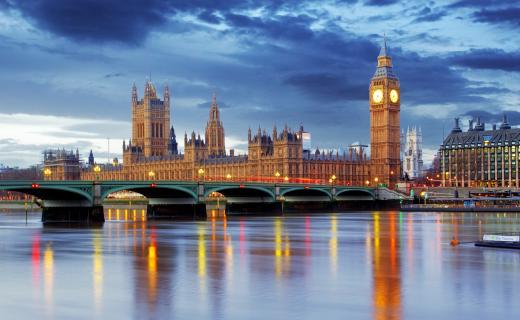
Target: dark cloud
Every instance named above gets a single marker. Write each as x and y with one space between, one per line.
478 3
128 21
328 86
113 75
209 17
494 59
97 21
380 2
502 16
429 15
287 27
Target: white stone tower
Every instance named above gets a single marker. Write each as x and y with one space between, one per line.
412 155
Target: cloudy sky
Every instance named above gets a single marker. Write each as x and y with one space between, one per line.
67 67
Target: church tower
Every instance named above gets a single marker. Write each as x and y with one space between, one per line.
151 121
215 132
385 104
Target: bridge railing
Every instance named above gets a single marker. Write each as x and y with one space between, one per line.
276 180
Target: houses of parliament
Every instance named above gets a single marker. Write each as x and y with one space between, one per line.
152 152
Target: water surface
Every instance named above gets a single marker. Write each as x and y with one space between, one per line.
374 265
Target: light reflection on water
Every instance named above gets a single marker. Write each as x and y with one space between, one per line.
379 265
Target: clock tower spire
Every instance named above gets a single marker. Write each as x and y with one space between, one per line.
385 105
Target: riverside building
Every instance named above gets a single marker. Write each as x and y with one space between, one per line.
480 157
152 153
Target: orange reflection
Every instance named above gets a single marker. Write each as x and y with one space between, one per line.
48 272
386 268
282 249
333 244
202 252
98 268
152 267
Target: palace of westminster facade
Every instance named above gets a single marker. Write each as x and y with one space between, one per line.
152 152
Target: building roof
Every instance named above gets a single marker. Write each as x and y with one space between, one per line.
501 136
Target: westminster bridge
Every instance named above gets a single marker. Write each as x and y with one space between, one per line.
83 200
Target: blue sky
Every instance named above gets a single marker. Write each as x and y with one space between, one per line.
67 67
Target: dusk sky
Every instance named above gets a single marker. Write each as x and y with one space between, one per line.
67 67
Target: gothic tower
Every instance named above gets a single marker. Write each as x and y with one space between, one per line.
385 103
215 132
151 121
172 144
412 159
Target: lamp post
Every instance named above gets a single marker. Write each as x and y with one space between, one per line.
97 170
47 173
201 174
151 175
228 176
286 179
277 176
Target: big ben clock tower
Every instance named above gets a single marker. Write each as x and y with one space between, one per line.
385 104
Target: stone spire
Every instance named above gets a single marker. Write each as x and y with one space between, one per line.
214 114
134 93
91 158
384 49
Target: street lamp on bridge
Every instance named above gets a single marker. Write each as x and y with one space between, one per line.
201 174
47 173
97 170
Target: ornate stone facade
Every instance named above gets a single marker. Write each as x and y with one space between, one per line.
271 157
412 153
385 104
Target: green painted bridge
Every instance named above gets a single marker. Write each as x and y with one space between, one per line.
83 200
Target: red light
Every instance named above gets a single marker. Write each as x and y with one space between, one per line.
153 185
35 185
241 186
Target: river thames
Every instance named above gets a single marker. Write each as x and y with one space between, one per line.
372 265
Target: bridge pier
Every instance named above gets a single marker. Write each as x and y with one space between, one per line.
92 214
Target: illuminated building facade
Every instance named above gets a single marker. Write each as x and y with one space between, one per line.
480 157
385 104
61 164
151 154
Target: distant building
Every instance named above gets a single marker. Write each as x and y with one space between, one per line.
91 161
61 164
412 153
306 141
480 157
172 144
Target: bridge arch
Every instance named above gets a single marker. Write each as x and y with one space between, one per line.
306 194
49 192
239 193
355 195
180 193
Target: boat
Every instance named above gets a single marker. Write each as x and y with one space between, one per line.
509 241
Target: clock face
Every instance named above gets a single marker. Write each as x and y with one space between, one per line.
394 96
377 96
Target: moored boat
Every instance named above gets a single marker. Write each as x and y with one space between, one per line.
509 241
